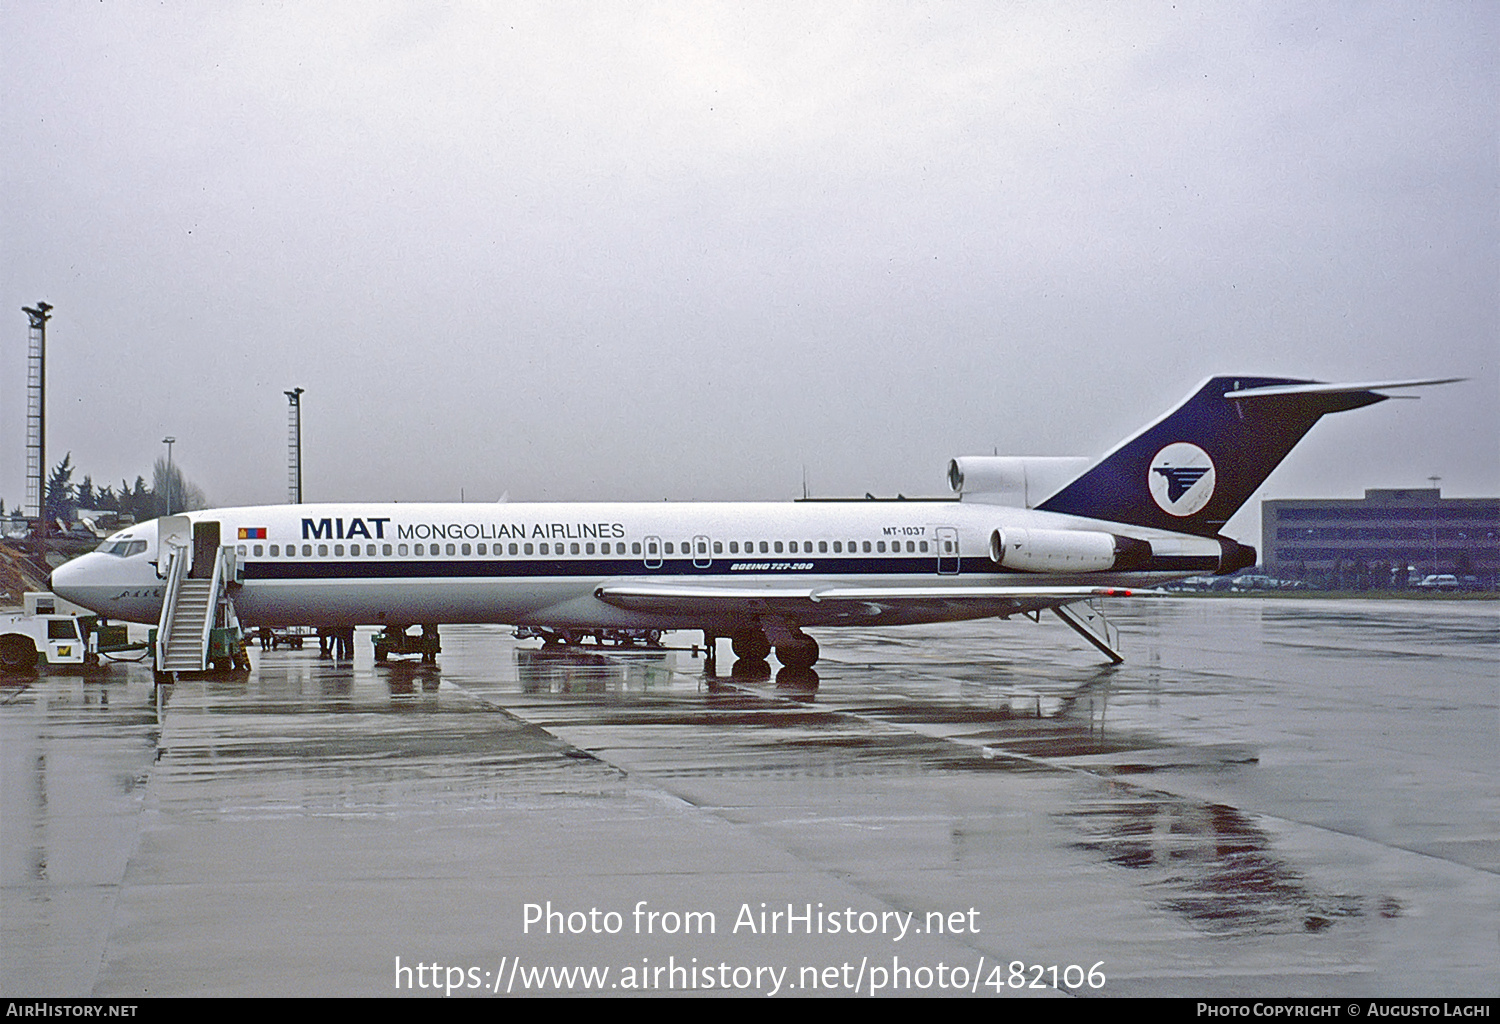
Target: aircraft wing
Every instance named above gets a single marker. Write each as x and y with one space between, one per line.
787 597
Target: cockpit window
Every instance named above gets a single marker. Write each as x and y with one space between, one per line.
122 548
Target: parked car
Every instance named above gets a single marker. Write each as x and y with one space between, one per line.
1442 581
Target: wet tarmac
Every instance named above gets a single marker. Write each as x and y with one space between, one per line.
1271 797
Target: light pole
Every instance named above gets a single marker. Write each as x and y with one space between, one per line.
169 441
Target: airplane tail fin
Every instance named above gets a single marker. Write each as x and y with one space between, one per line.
1193 468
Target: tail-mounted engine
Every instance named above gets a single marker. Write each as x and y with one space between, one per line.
1070 551
1067 551
1020 481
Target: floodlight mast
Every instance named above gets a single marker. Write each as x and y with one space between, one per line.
36 423
294 446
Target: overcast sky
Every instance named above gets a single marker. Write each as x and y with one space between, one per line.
635 251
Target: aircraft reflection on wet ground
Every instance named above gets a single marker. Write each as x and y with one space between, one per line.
1271 797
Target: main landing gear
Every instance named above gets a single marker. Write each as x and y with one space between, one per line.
796 651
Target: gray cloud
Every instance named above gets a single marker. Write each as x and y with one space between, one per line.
581 252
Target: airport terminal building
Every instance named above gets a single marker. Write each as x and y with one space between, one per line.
1388 538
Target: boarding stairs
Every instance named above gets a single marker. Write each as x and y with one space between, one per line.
192 606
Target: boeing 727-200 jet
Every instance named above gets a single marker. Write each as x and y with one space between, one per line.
1021 535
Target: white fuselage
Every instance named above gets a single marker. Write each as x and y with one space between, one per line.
544 564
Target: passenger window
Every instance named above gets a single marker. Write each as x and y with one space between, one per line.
259 550
778 547
718 547
543 548
275 550
924 545
794 547
838 547
764 547
867 547
513 547
419 549
669 547
322 550
528 549
822 547
880 545
573 548
635 548
734 547
385 549
338 549
450 549
463 550
401 550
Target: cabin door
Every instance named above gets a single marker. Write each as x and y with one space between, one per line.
947 544
205 550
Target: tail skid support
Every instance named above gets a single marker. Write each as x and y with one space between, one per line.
1088 622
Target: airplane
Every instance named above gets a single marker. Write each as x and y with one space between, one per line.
1020 535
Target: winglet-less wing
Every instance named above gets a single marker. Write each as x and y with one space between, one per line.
689 599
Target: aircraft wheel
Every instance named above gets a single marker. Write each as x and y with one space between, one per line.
17 654
801 653
751 645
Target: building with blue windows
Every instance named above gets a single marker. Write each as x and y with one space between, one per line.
1388 538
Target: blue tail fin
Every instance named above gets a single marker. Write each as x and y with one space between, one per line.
1194 467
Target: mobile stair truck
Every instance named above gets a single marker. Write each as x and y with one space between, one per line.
199 630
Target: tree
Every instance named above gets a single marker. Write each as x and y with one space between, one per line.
139 503
171 488
61 499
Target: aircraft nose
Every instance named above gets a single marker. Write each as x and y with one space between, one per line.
62 579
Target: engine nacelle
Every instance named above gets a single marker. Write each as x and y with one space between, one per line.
1067 551
1020 481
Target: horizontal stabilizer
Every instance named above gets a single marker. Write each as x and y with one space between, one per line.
1319 388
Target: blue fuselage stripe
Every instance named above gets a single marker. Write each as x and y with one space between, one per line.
563 568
